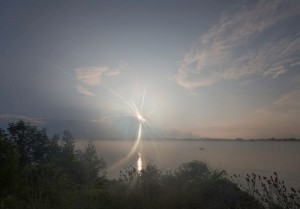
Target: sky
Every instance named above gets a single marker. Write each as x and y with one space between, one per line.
214 68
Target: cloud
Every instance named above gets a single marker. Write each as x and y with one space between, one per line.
33 120
84 90
103 120
275 72
290 98
93 75
278 119
235 47
295 64
287 105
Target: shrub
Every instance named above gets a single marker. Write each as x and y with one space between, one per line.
270 191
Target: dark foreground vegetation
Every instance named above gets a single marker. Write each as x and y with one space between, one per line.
42 172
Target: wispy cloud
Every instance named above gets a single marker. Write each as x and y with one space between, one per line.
93 75
278 119
287 105
235 47
295 64
84 91
275 72
103 120
33 120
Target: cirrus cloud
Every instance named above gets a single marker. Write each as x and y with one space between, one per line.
236 47
84 90
287 105
93 75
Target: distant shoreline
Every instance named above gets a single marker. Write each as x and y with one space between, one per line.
236 140
199 139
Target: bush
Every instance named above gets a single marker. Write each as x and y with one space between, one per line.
270 191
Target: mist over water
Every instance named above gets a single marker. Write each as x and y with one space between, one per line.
233 156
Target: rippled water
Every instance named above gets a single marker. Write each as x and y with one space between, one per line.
262 157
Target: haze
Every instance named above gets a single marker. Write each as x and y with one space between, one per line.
222 69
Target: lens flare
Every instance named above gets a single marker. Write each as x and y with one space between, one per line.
132 151
137 113
133 110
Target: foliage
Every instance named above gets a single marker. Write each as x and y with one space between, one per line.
270 191
9 162
42 172
192 185
31 142
90 166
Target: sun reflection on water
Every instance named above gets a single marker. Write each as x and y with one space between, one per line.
139 163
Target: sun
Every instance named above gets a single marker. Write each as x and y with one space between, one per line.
140 118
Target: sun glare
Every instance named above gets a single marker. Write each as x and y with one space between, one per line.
140 118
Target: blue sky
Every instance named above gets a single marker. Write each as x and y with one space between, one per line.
221 69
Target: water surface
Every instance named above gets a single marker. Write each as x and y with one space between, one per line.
236 157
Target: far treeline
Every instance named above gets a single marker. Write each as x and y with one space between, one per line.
236 139
42 172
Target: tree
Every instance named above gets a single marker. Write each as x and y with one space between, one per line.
31 142
9 165
91 167
192 171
